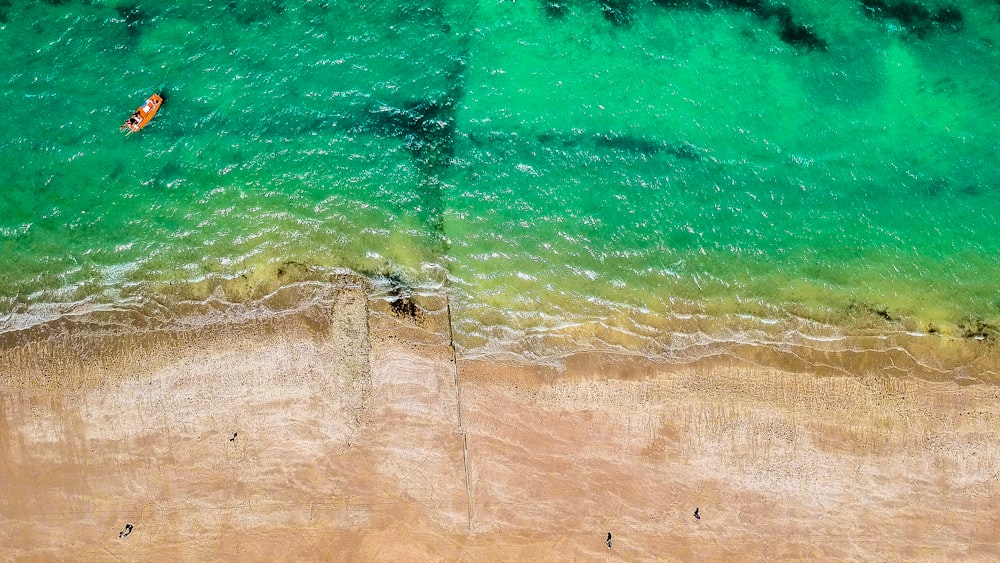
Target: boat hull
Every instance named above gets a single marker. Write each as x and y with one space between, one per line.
142 115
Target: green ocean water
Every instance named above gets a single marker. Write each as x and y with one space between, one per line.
549 164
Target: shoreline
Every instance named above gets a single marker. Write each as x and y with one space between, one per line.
357 436
868 341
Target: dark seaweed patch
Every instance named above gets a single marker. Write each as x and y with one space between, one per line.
789 31
427 125
628 143
949 19
404 307
555 10
976 329
880 311
794 34
618 12
914 17
400 296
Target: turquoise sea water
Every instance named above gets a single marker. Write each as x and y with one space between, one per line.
550 164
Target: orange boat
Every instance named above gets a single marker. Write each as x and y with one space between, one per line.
142 115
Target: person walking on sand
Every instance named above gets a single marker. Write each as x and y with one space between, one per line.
608 541
696 515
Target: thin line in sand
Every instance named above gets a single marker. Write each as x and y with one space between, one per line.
458 400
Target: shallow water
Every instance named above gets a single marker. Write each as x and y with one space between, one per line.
552 165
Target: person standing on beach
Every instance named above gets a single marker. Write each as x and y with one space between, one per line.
696 515
608 541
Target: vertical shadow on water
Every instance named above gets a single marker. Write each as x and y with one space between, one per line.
425 123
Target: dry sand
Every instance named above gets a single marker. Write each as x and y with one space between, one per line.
347 432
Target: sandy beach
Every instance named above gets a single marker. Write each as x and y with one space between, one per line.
351 430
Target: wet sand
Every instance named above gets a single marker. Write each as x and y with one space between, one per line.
348 431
